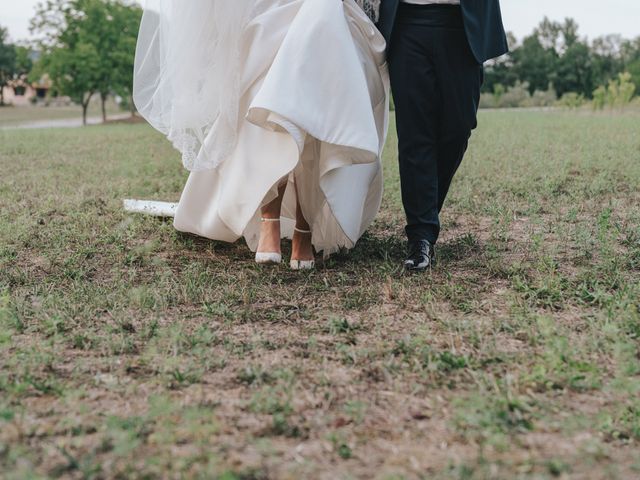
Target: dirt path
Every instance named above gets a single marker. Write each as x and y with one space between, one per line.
62 122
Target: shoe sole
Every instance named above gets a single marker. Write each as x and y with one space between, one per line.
418 268
268 258
299 265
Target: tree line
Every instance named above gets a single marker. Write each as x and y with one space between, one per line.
87 48
555 61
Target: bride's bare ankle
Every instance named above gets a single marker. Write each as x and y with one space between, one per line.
269 235
302 247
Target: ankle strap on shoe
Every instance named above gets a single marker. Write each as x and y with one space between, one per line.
301 231
269 219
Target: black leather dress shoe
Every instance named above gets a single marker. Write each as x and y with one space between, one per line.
422 255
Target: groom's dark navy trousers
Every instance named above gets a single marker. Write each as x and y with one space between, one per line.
435 57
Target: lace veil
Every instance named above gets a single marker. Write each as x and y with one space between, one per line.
186 78
187 73
371 8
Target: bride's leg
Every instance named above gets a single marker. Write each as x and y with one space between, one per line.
269 242
302 249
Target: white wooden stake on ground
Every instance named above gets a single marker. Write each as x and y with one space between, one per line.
148 207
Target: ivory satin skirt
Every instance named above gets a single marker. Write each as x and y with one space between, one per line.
315 108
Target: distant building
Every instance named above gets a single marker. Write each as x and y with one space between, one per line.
20 92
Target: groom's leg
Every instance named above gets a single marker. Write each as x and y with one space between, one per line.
460 79
415 93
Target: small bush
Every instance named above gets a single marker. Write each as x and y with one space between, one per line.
487 100
518 96
618 93
626 89
572 100
599 98
547 98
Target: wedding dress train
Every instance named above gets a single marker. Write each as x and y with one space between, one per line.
312 99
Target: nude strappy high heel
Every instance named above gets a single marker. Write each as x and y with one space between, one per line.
302 264
269 258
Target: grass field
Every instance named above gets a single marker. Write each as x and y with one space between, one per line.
128 350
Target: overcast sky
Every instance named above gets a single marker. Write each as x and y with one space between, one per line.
595 17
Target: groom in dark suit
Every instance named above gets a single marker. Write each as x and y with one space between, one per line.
436 50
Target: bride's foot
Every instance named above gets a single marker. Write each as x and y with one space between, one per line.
269 252
302 257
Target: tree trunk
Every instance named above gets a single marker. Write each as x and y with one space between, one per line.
103 99
132 106
1 95
85 107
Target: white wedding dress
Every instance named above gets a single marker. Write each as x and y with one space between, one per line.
302 92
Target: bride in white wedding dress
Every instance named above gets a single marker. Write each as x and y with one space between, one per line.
280 111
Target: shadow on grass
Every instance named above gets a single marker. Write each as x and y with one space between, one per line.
371 249
392 248
460 249
195 243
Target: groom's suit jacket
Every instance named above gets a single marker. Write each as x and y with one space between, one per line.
482 22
